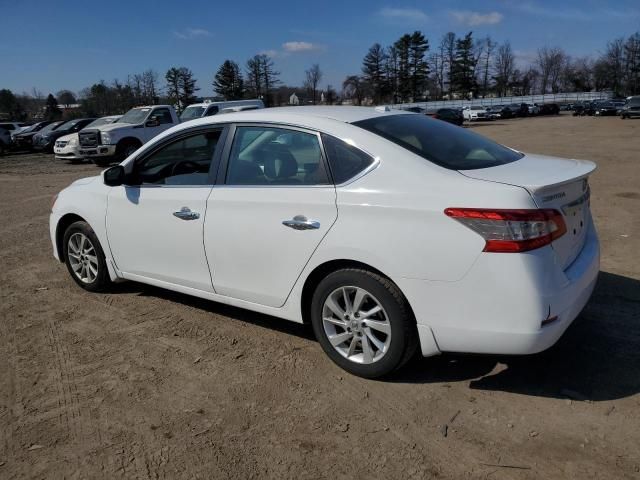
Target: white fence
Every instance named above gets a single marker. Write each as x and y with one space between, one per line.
539 99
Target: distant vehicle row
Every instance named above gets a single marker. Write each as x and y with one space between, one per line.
108 139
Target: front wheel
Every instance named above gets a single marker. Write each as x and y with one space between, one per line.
84 257
363 322
102 162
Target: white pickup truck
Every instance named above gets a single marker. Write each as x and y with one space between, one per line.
116 141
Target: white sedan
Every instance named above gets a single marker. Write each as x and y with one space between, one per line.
385 230
68 146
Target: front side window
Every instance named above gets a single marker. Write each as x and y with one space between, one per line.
212 110
345 161
440 142
275 156
183 162
162 115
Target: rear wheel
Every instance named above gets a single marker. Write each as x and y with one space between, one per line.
363 322
84 257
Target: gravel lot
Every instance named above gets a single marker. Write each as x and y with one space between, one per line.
145 383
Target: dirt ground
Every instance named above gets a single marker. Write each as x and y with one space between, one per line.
145 383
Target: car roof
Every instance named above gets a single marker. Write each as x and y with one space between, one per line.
303 114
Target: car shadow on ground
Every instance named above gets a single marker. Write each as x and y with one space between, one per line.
597 359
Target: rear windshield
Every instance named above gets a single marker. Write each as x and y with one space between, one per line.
444 144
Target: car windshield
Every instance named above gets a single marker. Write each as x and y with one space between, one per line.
102 121
446 145
191 112
51 126
68 125
136 115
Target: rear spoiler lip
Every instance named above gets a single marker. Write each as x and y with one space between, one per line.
586 168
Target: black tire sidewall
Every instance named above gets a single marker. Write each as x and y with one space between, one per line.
395 307
102 280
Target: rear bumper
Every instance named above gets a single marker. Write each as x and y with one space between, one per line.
499 306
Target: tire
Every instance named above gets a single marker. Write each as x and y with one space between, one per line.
102 162
3 149
82 259
389 351
126 148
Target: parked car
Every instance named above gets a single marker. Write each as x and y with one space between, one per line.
26 139
68 146
414 110
475 112
5 141
206 109
486 222
13 127
115 142
631 108
238 108
45 141
499 111
549 109
605 109
450 115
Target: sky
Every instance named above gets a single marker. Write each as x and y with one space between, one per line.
69 44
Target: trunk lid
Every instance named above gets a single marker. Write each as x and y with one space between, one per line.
557 183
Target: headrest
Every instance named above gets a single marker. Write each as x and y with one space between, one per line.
279 163
245 173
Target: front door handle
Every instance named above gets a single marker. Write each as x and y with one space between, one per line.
300 222
185 213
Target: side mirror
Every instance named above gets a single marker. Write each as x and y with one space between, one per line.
114 176
154 122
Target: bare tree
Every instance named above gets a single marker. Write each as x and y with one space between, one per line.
312 79
488 48
448 47
353 88
550 61
504 67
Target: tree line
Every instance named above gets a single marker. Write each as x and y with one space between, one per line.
410 69
468 67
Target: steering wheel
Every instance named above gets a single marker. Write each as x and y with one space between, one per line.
183 164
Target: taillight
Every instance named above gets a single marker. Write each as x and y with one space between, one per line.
511 230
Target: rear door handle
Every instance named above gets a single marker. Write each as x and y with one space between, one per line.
300 222
185 213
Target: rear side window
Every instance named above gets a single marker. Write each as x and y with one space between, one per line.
345 160
446 145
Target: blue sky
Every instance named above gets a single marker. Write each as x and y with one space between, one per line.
71 44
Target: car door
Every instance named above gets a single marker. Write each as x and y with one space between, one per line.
161 118
272 205
155 223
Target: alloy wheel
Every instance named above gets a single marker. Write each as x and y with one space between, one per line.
82 257
356 325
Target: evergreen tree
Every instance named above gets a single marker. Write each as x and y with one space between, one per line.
374 72
402 50
173 85
187 85
463 77
228 81
418 66
51 110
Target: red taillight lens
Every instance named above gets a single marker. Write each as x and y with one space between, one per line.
511 230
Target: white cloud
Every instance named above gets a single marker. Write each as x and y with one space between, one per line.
191 33
403 14
294 47
474 19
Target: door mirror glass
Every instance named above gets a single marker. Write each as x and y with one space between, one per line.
152 122
114 176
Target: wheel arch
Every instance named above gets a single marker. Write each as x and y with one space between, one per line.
324 269
61 227
129 139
